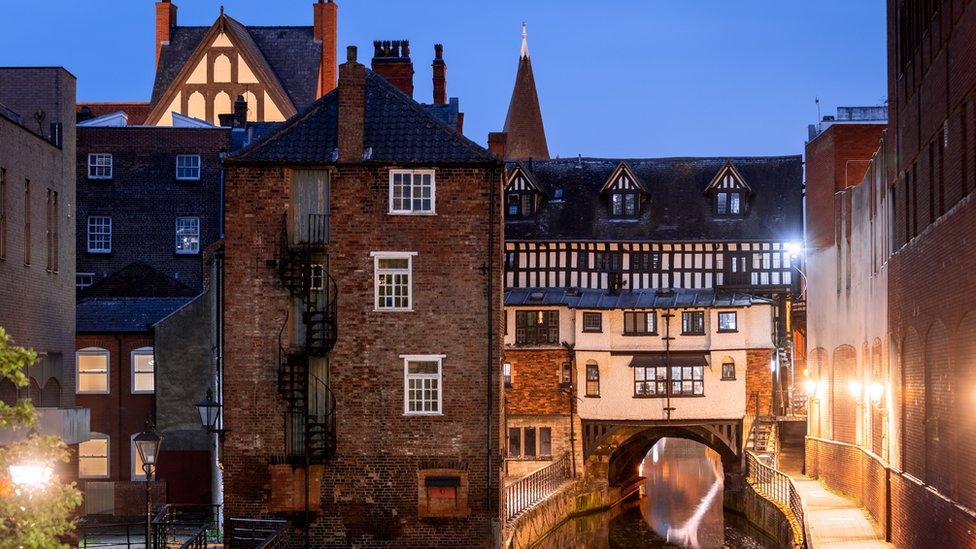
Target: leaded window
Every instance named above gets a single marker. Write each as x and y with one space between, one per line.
536 327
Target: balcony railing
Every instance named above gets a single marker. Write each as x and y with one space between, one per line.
527 491
775 486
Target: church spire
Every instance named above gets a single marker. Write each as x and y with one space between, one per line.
526 133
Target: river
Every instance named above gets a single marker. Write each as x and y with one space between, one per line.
681 506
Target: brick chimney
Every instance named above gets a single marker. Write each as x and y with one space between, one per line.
325 15
240 112
496 143
391 60
440 75
352 108
165 21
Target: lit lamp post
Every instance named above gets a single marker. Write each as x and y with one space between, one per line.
30 476
148 444
209 412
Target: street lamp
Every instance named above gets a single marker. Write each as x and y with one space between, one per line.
148 444
30 476
209 411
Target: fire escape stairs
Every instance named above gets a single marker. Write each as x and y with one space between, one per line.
762 439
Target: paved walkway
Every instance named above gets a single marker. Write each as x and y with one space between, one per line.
835 521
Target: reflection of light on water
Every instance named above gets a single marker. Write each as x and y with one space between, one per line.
684 486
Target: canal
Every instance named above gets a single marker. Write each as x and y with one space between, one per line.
680 506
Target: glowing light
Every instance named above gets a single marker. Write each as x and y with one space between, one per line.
31 475
795 249
855 388
821 387
875 392
654 455
810 386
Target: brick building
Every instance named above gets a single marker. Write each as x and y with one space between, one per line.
361 340
37 245
920 469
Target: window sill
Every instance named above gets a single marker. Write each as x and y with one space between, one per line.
376 310
188 179
93 392
593 331
100 179
640 334
591 396
727 379
143 392
727 331
423 414
529 458
666 396
186 253
99 252
692 333
410 213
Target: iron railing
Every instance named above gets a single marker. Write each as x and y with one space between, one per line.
529 490
245 533
117 534
186 526
775 486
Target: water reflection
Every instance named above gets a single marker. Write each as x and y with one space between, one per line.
684 493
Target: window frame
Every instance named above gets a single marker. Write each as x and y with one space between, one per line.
88 234
108 456
689 329
141 351
599 322
96 157
735 322
199 167
507 374
407 376
524 202
93 351
728 363
668 381
641 314
521 451
624 194
731 197
377 256
83 286
411 211
595 380
536 328
176 236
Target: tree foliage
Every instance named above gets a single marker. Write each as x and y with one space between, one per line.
37 518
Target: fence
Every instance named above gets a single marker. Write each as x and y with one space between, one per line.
527 491
185 526
116 535
775 486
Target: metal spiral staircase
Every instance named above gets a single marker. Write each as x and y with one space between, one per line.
310 431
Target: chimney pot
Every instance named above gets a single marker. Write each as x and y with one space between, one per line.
351 54
438 51
405 44
391 60
439 70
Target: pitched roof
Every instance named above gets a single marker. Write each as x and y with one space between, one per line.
124 314
135 111
676 208
396 129
137 280
291 54
523 123
590 298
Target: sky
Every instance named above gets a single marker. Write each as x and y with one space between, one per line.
617 78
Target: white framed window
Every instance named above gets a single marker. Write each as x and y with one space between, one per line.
93 460
318 278
143 370
412 192
99 166
188 167
135 460
99 234
422 387
187 235
393 281
84 280
91 365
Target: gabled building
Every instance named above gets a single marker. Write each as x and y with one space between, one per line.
361 354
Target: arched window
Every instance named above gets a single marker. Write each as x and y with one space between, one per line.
92 364
93 460
221 105
50 394
592 379
221 69
143 370
34 392
728 369
196 106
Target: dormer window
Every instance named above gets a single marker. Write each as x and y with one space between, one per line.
728 203
624 204
624 193
522 195
520 204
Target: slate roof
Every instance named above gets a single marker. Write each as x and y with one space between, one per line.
396 129
124 314
137 280
291 52
590 298
678 209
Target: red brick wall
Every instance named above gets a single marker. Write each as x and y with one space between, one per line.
536 374
759 380
843 406
369 490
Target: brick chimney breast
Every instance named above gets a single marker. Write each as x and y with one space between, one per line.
165 21
391 60
352 108
439 70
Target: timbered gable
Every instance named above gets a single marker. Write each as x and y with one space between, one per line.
625 193
225 63
523 194
729 192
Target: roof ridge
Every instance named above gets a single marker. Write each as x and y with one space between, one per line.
313 108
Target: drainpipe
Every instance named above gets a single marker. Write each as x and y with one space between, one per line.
121 433
489 310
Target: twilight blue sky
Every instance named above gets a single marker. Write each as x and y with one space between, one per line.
615 78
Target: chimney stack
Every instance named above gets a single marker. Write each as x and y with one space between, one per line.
496 143
240 112
165 21
391 60
440 75
352 108
325 16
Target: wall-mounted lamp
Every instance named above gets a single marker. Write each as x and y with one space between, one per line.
875 392
855 388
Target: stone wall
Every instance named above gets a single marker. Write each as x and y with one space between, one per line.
759 513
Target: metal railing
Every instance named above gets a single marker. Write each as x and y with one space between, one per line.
186 526
529 490
245 533
117 534
775 486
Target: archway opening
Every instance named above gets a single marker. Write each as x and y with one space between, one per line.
625 461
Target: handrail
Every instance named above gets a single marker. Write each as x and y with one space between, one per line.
245 533
530 489
777 487
192 522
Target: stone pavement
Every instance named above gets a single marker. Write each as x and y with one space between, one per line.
834 521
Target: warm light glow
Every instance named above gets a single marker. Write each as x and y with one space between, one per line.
821 387
795 249
31 475
855 388
875 392
810 386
